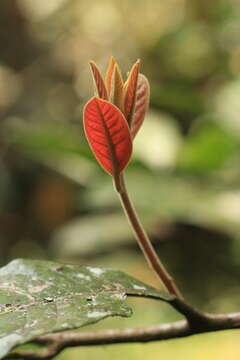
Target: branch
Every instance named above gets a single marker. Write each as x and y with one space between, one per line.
59 341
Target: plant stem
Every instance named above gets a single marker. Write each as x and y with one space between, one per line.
57 342
142 237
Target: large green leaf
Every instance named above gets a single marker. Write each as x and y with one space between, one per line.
39 297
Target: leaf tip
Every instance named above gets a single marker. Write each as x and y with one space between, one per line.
92 63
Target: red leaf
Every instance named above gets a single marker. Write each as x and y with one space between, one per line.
117 88
98 80
108 134
130 92
109 74
141 103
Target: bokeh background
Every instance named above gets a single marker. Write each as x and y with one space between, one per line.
55 200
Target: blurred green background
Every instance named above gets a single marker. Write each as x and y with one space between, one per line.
55 200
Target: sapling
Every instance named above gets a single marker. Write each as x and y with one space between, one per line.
112 118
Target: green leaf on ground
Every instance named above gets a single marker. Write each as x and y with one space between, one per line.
40 297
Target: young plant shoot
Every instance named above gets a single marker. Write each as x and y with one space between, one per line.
112 118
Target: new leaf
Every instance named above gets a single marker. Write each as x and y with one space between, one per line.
108 134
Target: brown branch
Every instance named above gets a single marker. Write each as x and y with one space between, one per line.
200 323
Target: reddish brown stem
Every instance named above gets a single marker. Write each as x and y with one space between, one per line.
142 237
